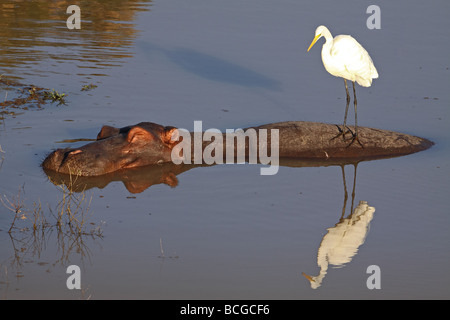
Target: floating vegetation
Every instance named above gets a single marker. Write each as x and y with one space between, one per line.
55 96
88 87
25 97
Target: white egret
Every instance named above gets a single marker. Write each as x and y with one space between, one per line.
344 57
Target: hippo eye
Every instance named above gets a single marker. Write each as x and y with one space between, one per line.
75 152
69 154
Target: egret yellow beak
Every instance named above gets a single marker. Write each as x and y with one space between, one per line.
314 41
304 274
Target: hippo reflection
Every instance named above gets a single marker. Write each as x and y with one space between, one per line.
136 180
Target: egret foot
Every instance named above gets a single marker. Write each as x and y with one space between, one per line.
355 138
342 133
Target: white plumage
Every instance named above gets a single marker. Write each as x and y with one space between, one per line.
344 57
341 243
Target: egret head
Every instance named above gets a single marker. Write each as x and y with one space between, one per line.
321 31
314 281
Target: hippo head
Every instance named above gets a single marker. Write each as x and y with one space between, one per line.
143 144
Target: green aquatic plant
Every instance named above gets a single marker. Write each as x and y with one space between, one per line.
53 96
88 87
23 97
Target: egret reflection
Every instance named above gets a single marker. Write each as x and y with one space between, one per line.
342 242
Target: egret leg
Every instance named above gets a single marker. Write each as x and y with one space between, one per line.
348 102
355 136
345 129
355 102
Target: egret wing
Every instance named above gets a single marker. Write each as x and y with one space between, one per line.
355 58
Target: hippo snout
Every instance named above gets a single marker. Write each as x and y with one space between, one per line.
55 160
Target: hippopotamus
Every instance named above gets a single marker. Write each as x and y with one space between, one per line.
148 143
115 149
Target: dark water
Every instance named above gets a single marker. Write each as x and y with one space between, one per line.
223 231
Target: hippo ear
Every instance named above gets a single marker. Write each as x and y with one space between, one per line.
107 132
170 179
171 135
137 134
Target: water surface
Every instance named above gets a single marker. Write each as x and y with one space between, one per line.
224 231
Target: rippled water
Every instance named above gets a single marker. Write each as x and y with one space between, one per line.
222 231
